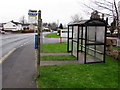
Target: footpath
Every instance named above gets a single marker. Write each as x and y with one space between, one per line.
19 69
57 62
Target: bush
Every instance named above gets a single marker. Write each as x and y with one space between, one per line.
46 30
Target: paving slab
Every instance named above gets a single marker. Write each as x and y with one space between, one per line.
47 54
19 68
56 62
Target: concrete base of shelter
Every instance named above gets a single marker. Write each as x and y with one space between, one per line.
45 63
57 62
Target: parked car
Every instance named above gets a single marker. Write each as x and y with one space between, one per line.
2 32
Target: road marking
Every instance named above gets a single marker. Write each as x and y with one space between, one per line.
6 56
21 45
25 43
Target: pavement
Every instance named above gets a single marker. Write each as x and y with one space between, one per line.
18 69
47 54
57 62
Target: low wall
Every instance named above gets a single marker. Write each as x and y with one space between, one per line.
115 53
28 31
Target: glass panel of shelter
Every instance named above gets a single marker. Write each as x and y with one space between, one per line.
95 46
70 38
81 39
81 44
91 34
75 33
93 55
75 49
100 32
75 40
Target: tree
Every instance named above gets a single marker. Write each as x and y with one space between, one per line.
61 26
107 8
76 18
113 26
45 24
53 26
23 20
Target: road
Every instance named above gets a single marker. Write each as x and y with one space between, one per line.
9 41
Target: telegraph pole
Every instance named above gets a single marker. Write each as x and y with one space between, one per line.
38 41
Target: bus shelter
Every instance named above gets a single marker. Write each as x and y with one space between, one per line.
88 40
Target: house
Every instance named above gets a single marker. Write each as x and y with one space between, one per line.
25 26
12 26
29 26
1 26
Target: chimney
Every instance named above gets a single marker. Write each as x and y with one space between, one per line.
103 16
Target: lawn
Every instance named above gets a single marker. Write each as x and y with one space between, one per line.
58 57
100 75
117 48
52 35
55 48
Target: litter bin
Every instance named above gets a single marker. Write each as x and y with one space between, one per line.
35 41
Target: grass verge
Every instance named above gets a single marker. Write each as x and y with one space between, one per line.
116 48
52 35
100 75
58 57
55 48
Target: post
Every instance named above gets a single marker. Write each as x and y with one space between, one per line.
38 50
60 39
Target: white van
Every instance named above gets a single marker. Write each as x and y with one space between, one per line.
64 33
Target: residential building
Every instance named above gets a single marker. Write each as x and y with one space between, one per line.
29 26
1 26
12 26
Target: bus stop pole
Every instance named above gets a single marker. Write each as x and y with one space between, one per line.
38 50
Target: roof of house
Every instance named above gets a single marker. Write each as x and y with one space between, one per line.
27 24
1 24
15 22
94 21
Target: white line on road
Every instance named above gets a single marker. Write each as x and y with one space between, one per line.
6 56
23 44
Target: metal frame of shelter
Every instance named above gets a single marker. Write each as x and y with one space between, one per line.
88 40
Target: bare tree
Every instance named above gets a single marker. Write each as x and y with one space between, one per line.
53 26
108 8
76 18
23 20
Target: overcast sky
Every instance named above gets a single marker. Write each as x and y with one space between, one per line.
52 10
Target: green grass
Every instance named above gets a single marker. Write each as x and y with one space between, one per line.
59 57
100 75
52 35
117 48
55 48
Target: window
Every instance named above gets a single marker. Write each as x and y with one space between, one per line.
64 31
14 25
